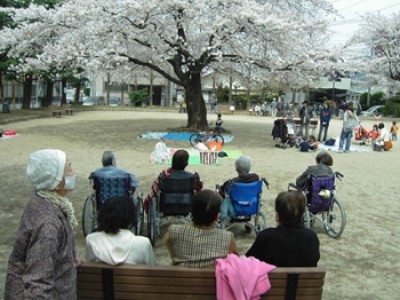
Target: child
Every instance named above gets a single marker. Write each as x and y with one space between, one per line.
161 152
313 143
304 145
393 131
373 134
218 124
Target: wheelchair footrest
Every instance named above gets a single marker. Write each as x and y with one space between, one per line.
240 218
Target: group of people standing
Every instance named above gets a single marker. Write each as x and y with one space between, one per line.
381 142
43 262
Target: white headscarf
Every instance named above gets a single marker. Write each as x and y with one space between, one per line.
45 168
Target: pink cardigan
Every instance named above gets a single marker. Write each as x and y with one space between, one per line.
241 277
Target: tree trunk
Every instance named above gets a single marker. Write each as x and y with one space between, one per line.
151 88
195 106
230 90
49 93
26 102
248 99
78 89
63 88
108 86
1 86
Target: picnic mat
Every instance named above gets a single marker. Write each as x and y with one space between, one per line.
353 148
176 136
194 156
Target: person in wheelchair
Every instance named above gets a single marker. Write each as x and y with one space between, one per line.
242 166
200 243
322 169
289 244
180 161
115 243
110 170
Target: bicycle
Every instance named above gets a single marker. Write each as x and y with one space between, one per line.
5 108
205 137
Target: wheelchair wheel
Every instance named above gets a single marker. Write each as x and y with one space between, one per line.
139 216
152 229
308 218
260 223
217 138
194 139
89 215
334 220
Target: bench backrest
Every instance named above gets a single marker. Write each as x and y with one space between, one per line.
100 281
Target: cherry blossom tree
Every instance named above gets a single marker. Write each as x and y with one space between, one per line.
179 39
379 35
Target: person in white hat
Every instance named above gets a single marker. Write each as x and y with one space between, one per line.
42 263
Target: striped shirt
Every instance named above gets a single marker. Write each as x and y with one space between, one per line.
198 247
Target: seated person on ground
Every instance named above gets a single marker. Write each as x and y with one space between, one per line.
304 146
180 161
370 136
110 170
242 167
289 244
323 168
199 244
314 144
161 152
383 141
373 133
115 244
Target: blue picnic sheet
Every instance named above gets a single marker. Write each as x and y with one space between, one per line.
177 136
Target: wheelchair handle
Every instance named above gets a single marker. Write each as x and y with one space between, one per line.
292 185
266 182
339 175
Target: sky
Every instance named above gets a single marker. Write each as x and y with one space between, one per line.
351 12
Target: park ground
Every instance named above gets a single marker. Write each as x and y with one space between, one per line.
362 264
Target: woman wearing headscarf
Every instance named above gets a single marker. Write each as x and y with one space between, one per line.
42 264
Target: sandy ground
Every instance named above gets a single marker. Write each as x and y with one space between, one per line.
362 264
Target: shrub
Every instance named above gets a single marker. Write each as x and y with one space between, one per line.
392 107
375 99
138 97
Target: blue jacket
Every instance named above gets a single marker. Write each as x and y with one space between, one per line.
325 116
114 172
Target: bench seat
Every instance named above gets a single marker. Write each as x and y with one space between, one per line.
55 111
67 108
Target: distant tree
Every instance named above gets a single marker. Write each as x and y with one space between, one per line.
380 34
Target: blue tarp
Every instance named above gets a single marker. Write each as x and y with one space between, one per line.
177 136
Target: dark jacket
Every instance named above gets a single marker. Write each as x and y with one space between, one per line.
317 170
287 246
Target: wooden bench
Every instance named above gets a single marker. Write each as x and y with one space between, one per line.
67 108
55 110
101 281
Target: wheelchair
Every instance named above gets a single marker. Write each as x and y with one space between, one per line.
321 201
104 188
174 199
242 205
